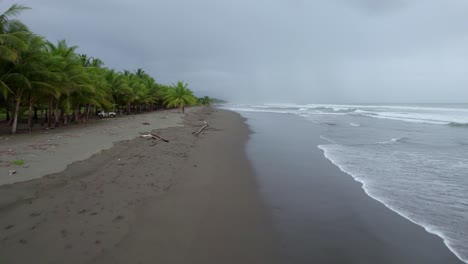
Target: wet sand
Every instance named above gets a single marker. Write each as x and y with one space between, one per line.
192 200
322 214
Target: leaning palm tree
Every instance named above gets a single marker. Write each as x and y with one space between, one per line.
28 75
12 35
179 96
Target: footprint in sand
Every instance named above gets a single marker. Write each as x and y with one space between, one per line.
118 218
64 233
35 214
82 211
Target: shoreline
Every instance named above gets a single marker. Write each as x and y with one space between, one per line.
322 213
192 200
428 230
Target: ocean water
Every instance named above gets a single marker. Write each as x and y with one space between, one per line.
411 158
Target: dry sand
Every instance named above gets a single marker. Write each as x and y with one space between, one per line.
192 200
51 151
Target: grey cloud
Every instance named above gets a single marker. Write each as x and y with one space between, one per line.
277 50
378 7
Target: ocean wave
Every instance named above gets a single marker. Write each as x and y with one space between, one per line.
393 141
456 117
327 139
329 123
354 124
455 124
451 245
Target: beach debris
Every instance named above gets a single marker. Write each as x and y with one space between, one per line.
12 172
82 211
35 214
201 129
43 146
118 218
146 123
8 152
154 136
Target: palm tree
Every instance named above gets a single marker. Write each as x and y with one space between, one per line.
206 100
27 75
11 32
76 86
12 35
54 80
179 96
119 88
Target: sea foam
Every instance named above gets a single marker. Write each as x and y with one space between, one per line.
368 190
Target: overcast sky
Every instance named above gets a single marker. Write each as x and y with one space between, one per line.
305 51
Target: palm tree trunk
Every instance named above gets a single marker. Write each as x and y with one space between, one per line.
49 113
63 116
35 118
14 125
10 112
183 109
57 114
88 112
77 114
85 112
30 113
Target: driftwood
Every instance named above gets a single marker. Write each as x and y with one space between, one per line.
154 136
201 129
158 136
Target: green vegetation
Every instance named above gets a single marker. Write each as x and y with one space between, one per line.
217 101
205 100
51 83
18 162
180 96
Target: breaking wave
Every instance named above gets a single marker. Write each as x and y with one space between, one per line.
442 115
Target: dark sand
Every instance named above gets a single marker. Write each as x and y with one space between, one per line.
196 200
192 200
322 214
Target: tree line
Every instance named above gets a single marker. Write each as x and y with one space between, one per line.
51 83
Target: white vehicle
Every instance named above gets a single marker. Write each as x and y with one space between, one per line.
103 114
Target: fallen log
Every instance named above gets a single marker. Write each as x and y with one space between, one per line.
154 136
158 136
200 130
149 136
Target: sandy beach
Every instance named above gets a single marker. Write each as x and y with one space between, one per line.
226 196
191 200
51 151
